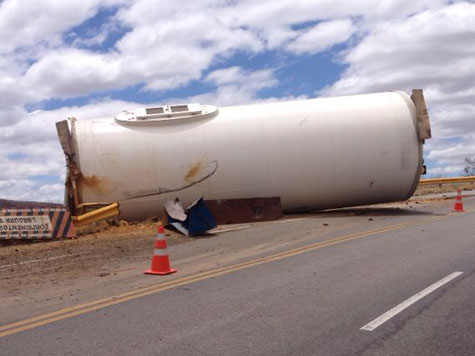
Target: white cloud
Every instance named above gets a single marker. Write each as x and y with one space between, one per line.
271 13
72 72
235 86
321 37
31 41
24 23
448 155
17 189
174 42
237 75
27 189
50 193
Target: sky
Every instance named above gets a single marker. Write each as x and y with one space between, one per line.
94 58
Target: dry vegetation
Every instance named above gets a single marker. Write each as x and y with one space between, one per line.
443 188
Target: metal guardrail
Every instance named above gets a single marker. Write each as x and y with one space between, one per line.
447 180
105 212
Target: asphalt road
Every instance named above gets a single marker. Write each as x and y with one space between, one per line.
310 302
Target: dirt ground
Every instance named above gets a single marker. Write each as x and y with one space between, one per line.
23 264
27 264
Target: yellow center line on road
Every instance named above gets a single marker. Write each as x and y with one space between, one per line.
43 319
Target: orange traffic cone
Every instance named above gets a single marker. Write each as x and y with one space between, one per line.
160 262
458 207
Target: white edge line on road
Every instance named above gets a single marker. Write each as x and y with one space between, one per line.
289 220
408 302
230 229
40 260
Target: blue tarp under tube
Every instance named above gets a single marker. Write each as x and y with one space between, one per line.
195 221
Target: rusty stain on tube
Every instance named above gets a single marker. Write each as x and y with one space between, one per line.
193 171
92 182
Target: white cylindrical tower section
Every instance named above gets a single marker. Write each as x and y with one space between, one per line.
313 154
